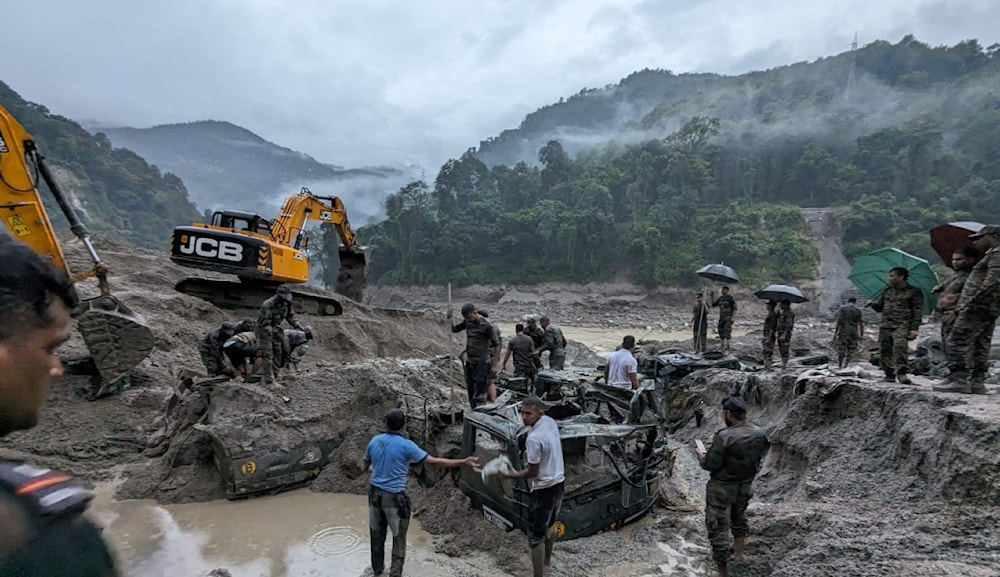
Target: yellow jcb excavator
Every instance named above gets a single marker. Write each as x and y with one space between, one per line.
117 338
265 254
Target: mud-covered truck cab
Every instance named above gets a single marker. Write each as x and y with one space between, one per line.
612 471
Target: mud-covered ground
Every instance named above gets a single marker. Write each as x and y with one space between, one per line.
864 478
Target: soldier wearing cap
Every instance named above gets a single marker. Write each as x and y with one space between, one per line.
850 328
482 355
733 458
902 308
273 312
537 335
968 343
389 456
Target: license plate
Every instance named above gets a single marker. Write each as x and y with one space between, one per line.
495 518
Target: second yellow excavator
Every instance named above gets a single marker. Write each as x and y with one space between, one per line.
267 253
117 338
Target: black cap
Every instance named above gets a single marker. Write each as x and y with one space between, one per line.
395 419
734 405
467 309
852 300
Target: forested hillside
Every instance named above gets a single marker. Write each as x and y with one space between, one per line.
118 194
906 141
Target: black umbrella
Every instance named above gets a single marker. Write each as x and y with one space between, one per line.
718 273
780 292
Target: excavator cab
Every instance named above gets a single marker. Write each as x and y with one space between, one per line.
117 338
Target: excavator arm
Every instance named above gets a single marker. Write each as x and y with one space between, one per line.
117 338
288 229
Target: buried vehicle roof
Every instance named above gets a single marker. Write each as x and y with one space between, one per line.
613 471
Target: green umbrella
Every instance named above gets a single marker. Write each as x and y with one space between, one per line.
870 274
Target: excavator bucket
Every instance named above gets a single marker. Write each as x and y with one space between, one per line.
117 338
353 276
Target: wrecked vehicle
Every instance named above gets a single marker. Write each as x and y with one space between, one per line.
672 365
612 470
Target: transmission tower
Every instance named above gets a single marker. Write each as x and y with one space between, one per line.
850 71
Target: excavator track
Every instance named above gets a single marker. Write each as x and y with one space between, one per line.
249 295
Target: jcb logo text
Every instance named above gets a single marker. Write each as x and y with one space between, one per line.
209 247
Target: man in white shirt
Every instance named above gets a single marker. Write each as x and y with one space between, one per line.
543 452
622 368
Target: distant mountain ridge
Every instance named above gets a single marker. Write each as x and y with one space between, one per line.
227 166
846 95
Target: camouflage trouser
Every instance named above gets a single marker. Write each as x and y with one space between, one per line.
768 344
847 344
526 370
725 511
893 350
700 339
269 348
211 357
968 344
725 327
557 360
784 348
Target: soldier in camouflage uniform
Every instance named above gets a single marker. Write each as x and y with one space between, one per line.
850 329
482 350
727 314
699 323
975 317
522 348
273 312
902 306
210 346
783 326
555 343
733 458
950 290
538 337
770 333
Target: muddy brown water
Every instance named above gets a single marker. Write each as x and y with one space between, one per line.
296 533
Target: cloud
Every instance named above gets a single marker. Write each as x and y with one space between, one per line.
380 82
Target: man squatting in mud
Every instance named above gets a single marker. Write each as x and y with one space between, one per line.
968 343
546 470
733 458
389 456
210 347
43 530
482 355
902 308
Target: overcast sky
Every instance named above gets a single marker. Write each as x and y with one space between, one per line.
359 82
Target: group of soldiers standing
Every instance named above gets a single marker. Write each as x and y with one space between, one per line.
699 319
257 349
481 356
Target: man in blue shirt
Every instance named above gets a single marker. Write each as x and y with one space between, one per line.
389 456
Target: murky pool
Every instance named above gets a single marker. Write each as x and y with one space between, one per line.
298 533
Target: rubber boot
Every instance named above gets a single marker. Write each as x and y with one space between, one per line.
903 379
538 560
767 365
977 384
890 376
784 362
840 361
957 382
739 543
